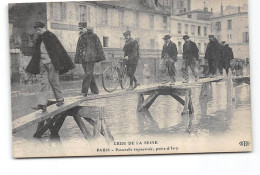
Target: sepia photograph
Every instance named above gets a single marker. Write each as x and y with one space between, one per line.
129 77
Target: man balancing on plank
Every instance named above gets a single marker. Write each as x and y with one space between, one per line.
49 60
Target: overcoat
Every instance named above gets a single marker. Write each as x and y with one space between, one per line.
214 50
190 51
58 55
171 50
131 49
89 48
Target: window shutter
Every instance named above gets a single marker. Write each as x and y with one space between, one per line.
51 10
64 11
88 13
77 12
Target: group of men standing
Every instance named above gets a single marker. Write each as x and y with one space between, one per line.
50 59
218 56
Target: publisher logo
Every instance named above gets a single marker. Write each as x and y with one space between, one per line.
244 143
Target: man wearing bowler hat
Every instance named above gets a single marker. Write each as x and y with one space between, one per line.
49 60
89 51
213 54
131 56
169 57
190 57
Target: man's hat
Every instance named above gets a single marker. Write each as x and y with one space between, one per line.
211 36
127 33
38 25
223 42
82 24
185 37
166 37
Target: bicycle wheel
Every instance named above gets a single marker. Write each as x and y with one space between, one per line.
110 79
124 79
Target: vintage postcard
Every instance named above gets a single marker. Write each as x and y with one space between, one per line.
129 77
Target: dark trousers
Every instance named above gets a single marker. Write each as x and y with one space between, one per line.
212 66
186 63
170 68
131 68
89 80
221 66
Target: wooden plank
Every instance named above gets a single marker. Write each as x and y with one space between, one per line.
148 102
38 116
87 134
45 127
179 99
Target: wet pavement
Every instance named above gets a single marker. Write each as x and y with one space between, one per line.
219 110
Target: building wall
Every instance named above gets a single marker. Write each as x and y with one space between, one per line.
234 36
177 37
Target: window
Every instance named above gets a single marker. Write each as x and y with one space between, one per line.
186 29
229 24
152 43
104 16
199 30
189 16
121 17
136 19
165 22
179 28
179 47
58 11
205 31
199 47
192 30
83 13
218 26
122 42
105 41
151 17
205 47
245 37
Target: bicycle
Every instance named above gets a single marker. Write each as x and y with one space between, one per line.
115 75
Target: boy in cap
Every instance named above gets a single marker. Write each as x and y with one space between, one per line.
131 56
50 59
169 56
190 57
89 51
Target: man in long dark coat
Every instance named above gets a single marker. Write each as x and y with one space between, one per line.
50 59
227 56
190 57
169 56
131 56
213 54
89 51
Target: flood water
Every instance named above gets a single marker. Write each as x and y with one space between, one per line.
219 110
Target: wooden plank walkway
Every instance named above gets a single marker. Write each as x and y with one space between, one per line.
53 110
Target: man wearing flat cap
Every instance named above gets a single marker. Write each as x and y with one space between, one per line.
227 57
89 51
213 54
190 57
50 59
131 57
169 57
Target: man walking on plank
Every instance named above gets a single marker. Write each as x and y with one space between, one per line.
89 51
131 57
227 56
213 54
190 57
49 60
168 59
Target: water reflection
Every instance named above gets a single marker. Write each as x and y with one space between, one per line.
217 109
